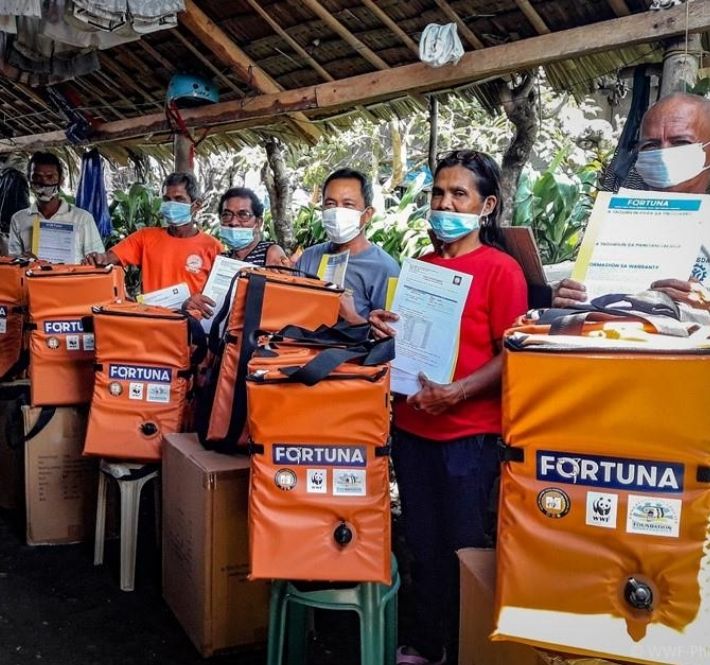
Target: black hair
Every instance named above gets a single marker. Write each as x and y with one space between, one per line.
257 207
186 179
45 159
486 173
365 185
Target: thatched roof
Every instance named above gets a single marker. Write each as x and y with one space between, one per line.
305 43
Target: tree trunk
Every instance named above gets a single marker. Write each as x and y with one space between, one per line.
433 132
276 180
399 154
521 106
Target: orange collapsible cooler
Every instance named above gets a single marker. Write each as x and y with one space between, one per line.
264 300
13 312
61 350
143 376
603 543
319 505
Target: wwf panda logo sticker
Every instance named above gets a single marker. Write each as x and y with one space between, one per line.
602 509
553 502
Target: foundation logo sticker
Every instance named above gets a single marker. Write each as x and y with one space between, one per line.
653 516
553 502
349 482
317 481
158 392
3 319
355 456
285 479
618 473
602 509
88 342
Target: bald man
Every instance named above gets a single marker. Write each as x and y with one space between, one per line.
674 156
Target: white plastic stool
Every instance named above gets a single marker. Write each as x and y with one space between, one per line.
130 478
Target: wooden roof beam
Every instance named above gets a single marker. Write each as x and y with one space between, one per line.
291 41
219 42
156 55
532 15
465 31
392 25
336 26
127 80
619 7
382 85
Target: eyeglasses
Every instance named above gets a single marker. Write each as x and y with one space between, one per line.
241 215
463 155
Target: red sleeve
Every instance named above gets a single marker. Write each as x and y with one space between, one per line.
130 250
508 297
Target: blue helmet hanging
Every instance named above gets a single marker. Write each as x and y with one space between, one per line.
188 90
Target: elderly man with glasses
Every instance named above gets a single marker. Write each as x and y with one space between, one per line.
241 230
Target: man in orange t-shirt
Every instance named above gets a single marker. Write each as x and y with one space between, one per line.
180 252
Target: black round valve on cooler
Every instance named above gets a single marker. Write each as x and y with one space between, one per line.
149 429
343 534
638 594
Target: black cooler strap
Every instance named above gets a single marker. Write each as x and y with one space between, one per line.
253 307
320 367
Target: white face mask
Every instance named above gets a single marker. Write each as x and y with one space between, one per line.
341 224
668 167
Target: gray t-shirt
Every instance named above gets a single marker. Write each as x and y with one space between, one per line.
367 274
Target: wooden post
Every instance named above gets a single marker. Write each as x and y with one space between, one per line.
433 132
680 64
183 153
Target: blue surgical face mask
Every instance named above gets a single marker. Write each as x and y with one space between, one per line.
236 237
176 213
449 225
667 167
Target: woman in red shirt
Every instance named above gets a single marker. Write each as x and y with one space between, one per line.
445 436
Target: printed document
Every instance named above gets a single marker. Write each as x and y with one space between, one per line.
219 281
430 301
332 267
54 241
636 238
171 297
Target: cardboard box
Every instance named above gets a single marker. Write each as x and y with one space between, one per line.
478 578
12 469
205 547
60 484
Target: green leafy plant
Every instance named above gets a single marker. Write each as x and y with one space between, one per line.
402 230
132 210
557 207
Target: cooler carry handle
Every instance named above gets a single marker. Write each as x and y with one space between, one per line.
320 367
342 334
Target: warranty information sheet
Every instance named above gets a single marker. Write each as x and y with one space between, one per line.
634 239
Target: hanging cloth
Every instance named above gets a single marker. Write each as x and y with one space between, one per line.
14 195
91 192
440 45
621 171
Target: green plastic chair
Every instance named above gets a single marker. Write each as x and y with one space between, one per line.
376 605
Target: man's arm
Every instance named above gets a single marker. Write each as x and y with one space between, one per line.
103 259
92 243
14 242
